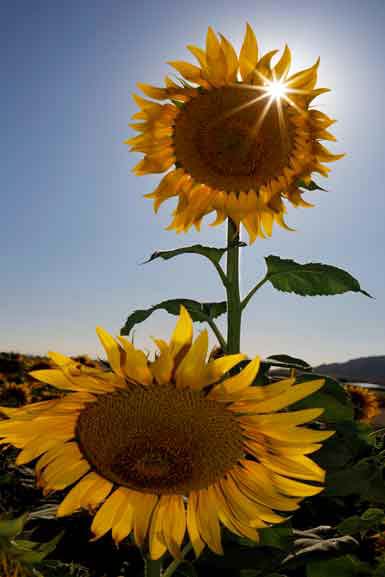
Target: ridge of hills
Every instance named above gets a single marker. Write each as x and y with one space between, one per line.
364 369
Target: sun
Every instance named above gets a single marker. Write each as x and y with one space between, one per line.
276 89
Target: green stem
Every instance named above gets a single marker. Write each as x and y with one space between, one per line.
152 568
175 564
245 301
234 309
217 333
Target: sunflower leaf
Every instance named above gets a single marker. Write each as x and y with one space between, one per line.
331 397
310 185
199 312
12 527
212 253
288 362
311 279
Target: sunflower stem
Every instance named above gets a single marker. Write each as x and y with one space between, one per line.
218 334
234 308
175 564
152 568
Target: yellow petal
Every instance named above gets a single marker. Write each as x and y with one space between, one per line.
227 516
248 56
60 360
282 67
259 482
216 60
297 466
72 500
123 522
174 524
192 524
219 367
135 364
49 456
188 374
54 377
67 477
153 91
182 336
238 382
189 71
104 518
295 488
231 59
156 540
304 79
111 348
208 522
96 493
239 502
163 365
291 396
144 504
34 449
282 420
199 54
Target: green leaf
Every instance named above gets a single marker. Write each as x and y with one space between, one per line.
178 103
374 516
309 279
277 537
310 186
346 566
12 527
331 397
351 525
212 253
288 361
37 555
200 312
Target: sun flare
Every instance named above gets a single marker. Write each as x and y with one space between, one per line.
276 89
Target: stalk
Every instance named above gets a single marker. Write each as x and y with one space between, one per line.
152 568
234 307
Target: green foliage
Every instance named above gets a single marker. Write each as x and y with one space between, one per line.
332 397
279 537
212 253
371 519
346 566
309 279
200 312
12 527
310 185
287 361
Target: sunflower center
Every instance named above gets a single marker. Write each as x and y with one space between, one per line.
231 138
159 439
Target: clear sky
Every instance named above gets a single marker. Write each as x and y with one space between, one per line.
74 226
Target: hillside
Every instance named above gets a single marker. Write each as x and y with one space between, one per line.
365 369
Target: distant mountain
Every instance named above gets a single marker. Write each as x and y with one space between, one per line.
366 369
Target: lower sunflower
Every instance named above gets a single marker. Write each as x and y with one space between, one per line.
171 445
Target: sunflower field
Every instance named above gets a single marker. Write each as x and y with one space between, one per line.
188 460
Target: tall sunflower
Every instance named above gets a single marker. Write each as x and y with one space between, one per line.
238 135
174 444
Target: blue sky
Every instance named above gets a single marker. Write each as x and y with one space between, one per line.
74 227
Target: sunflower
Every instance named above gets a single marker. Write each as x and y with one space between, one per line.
173 444
238 135
365 403
14 394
